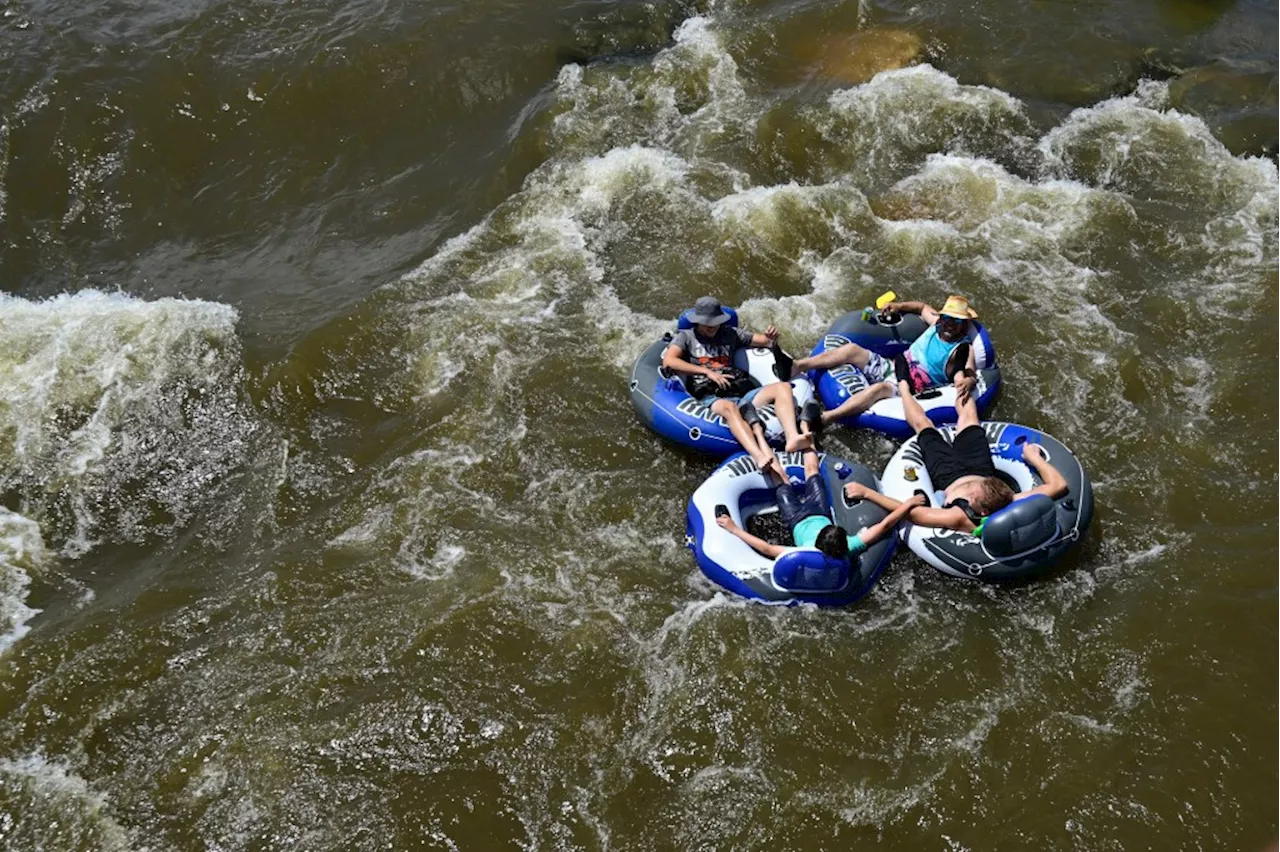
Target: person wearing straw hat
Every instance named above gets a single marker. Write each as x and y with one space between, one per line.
932 355
704 354
942 354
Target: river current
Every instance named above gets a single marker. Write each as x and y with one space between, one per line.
325 520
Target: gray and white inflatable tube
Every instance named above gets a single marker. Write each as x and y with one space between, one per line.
802 574
1018 541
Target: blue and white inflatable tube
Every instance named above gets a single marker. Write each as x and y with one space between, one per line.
665 406
802 574
1018 541
868 330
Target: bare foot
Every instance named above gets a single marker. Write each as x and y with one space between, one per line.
799 442
767 462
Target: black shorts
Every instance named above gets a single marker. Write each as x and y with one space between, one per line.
812 500
968 455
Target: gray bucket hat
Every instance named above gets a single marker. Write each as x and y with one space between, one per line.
707 311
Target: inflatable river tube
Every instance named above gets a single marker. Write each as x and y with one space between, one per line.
889 338
803 574
665 406
1018 541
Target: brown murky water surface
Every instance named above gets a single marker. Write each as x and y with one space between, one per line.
326 520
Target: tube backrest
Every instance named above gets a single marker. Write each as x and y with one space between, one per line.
807 569
984 351
1020 527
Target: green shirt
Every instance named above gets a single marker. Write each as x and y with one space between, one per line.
806 534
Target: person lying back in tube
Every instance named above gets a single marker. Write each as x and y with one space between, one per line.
808 514
962 470
704 356
931 361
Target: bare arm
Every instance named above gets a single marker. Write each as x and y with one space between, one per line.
673 361
952 519
858 491
765 340
949 519
927 313
759 545
877 531
1055 484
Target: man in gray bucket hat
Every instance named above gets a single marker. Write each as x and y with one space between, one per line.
706 352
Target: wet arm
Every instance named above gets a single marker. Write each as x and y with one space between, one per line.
765 339
950 519
927 313
759 545
883 501
877 531
673 360
1055 484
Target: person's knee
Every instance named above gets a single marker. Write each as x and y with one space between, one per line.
769 393
852 353
725 408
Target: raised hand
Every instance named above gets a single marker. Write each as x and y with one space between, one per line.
772 333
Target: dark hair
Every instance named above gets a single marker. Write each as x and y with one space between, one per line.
833 542
994 495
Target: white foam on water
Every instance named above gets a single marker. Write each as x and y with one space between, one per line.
687 96
873 806
1138 145
103 394
1141 146
599 181
22 553
918 86
59 809
981 197
884 125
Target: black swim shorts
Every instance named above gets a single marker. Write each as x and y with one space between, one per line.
968 455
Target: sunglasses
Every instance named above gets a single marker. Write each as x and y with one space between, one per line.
946 320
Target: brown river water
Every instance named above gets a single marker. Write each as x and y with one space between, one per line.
325 519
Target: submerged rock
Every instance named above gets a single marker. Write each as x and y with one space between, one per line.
852 58
1237 101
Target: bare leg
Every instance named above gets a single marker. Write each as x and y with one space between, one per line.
849 353
859 402
784 405
728 409
772 469
811 466
916 418
967 411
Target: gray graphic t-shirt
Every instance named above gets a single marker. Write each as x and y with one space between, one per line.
716 352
